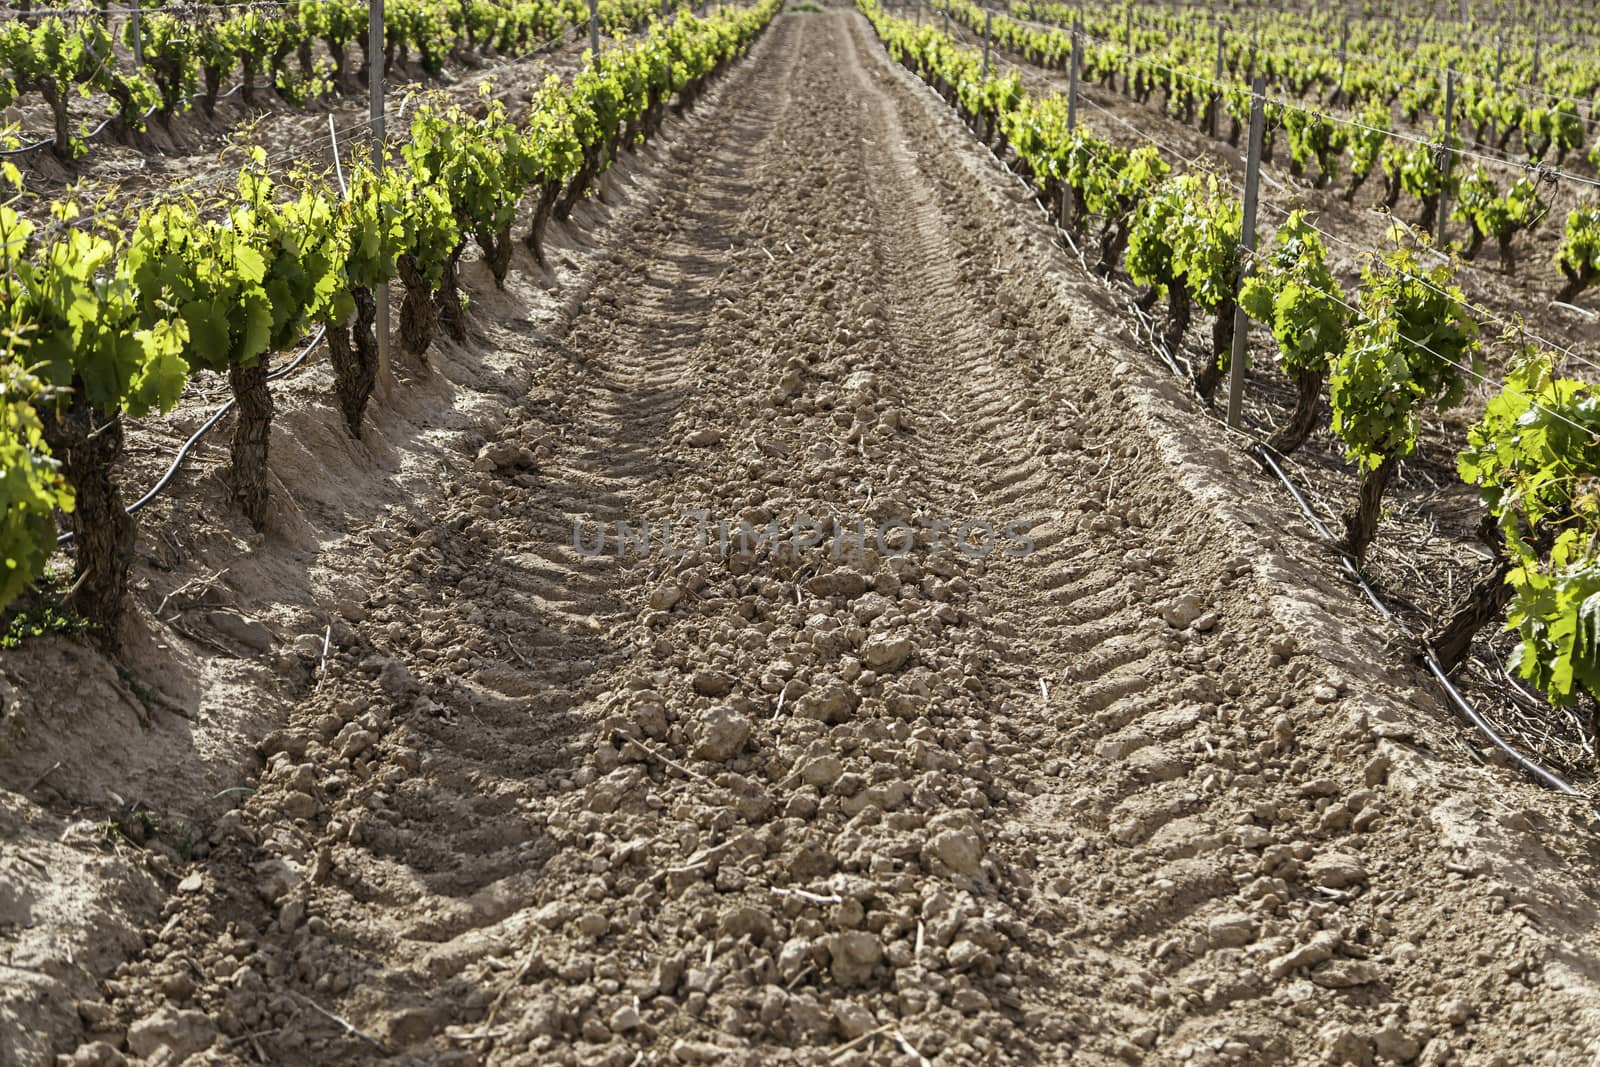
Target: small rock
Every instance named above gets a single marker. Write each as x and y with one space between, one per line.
356 742
247 632
1345 974
1182 611
1336 870
723 733
499 455
1457 1011
958 850
624 1019
855 953
1344 1046
853 1019
885 653
712 684
1324 693
1231 930
685 1051
1436 1053
178 986
1319 949
97 1054
290 915
745 921
822 771
1395 1044
663 597
704 437
827 703
794 957
275 878
184 1032
192 883
299 805
969 1001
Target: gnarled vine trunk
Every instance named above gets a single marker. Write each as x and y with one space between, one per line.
1577 281
418 319
1483 604
542 207
579 184
250 437
1178 315
1209 373
63 125
88 447
1307 404
1361 522
447 301
496 248
353 351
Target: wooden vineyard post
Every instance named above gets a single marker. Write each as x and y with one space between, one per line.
1247 246
988 19
594 30
375 118
945 11
1449 154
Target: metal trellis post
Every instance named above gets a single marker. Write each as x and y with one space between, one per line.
1216 94
1344 55
1247 244
988 19
1072 111
1449 154
1072 76
1127 42
375 116
138 34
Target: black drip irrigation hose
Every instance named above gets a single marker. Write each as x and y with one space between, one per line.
1538 773
205 427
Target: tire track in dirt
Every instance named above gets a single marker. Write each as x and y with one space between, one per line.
1156 717
488 630
784 803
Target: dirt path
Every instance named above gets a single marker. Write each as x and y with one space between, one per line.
1125 789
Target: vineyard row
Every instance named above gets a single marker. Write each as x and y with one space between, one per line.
171 60
1384 355
104 321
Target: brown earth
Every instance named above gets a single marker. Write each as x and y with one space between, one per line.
1141 785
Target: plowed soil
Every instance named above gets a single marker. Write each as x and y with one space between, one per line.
1131 777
